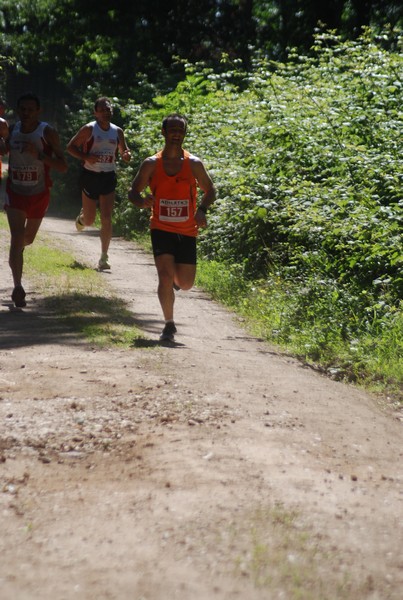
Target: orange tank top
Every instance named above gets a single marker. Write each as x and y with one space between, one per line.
175 198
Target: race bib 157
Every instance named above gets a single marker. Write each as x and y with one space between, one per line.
174 210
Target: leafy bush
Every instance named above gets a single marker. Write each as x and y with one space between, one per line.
307 161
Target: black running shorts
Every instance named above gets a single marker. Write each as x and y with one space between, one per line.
95 185
182 247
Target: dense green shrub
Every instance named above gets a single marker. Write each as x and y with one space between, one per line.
307 158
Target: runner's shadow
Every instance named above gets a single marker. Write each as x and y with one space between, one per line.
26 327
169 344
144 343
73 319
78 266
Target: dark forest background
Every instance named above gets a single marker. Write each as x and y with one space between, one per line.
135 50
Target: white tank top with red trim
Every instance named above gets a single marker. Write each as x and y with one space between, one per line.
102 144
27 175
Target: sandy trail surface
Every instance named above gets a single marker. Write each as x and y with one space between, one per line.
216 468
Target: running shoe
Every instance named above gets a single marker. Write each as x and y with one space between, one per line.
79 223
18 296
103 264
168 333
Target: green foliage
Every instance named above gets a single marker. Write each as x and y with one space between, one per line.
307 160
135 49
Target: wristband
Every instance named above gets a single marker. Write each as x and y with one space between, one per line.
203 209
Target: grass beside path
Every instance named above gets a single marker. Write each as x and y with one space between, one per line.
313 329
78 294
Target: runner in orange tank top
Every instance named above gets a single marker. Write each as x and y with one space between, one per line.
175 196
173 176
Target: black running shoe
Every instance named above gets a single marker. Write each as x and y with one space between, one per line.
168 333
18 296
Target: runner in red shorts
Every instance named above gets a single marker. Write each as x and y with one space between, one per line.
34 148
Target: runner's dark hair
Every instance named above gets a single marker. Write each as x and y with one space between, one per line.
101 99
29 96
173 117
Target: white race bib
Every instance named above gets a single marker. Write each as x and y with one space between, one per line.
174 211
24 175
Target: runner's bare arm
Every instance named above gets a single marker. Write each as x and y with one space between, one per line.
123 147
57 161
140 182
205 183
3 136
76 144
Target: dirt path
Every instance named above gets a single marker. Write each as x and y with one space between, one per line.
215 469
